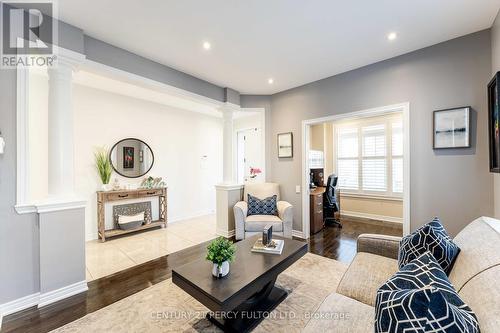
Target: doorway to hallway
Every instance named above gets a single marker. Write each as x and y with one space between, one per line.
248 154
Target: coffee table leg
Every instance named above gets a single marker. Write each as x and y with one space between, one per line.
252 311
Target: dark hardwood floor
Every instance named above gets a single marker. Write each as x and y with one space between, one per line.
331 242
340 243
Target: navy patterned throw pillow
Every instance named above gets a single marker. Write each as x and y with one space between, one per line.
420 298
430 237
267 206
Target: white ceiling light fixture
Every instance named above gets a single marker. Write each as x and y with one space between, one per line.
207 45
270 80
392 36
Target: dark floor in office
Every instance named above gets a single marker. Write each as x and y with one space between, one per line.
331 242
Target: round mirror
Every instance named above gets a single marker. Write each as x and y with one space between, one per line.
131 158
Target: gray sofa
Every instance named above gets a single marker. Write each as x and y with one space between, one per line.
475 275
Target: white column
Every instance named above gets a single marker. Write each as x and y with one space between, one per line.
227 150
227 193
62 213
60 129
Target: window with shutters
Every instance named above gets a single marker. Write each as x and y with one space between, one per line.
369 156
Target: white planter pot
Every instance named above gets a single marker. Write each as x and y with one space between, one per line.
221 271
106 187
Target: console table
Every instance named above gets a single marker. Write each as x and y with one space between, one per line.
110 196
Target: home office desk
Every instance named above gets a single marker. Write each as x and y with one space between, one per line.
316 218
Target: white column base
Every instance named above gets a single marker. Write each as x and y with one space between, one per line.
227 196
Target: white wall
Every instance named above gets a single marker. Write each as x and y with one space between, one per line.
179 140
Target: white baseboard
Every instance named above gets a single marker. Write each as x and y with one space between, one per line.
18 305
298 234
64 292
227 234
373 216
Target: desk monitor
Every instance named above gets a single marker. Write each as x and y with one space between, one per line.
317 177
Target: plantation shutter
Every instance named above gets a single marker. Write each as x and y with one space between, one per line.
347 161
374 158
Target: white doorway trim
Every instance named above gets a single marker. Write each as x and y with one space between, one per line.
306 127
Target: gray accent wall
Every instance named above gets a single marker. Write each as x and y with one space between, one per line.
62 249
231 96
19 257
452 184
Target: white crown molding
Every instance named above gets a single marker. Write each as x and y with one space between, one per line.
67 56
59 294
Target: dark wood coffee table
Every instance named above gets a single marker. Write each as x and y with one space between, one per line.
240 300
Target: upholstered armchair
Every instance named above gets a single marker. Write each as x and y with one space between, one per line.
254 224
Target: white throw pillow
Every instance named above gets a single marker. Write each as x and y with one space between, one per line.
122 219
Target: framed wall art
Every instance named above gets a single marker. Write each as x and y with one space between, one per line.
285 145
451 128
493 123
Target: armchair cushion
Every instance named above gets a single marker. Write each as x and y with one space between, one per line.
258 222
265 206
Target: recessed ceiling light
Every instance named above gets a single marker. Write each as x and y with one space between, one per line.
270 80
207 45
392 36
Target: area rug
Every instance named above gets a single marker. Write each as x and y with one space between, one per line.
166 308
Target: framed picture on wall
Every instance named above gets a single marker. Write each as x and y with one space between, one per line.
451 128
493 123
285 145
128 157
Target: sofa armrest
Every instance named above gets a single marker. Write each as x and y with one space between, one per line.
285 213
240 214
382 245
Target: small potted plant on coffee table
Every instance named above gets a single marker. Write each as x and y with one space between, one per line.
221 252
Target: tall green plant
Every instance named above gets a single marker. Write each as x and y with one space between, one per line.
103 164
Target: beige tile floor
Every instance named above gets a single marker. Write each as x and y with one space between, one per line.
121 253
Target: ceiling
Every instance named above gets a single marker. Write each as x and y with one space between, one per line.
293 41
101 82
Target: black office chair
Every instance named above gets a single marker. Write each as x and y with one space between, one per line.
330 202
